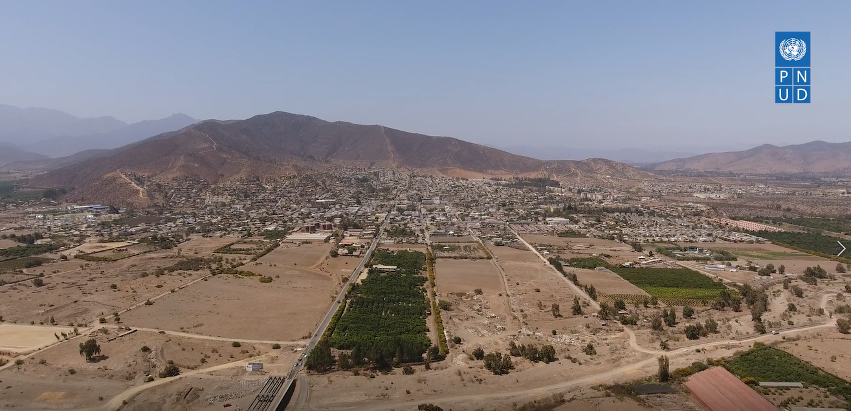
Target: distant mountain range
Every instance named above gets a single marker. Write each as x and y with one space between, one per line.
54 133
632 156
817 157
280 143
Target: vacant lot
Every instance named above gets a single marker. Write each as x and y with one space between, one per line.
232 306
605 281
461 275
23 338
301 255
121 365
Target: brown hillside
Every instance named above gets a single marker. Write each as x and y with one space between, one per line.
815 157
281 143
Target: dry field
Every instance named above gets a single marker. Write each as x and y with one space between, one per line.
74 295
452 239
122 365
25 338
818 349
605 281
92 247
475 318
301 255
232 306
585 247
6 243
461 275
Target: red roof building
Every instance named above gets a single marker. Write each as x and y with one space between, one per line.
719 390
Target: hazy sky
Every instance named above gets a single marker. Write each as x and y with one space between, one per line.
596 74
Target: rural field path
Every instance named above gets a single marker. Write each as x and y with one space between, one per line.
117 400
216 338
576 288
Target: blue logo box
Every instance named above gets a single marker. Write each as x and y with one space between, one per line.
792 67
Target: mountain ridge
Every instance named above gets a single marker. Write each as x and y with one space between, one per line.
815 157
282 143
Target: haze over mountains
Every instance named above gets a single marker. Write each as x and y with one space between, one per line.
281 143
55 133
106 157
816 157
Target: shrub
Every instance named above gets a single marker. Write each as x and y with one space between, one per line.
145 349
148 302
457 340
590 350
71 371
407 370
276 346
236 344
478 353
170 370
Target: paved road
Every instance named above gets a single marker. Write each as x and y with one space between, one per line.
334 306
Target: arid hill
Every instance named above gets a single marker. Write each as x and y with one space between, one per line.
816 157
280 143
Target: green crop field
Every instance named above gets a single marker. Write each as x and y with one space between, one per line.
386 317
813 243
672 285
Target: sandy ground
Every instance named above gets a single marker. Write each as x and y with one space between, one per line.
227 305
76 295
819 349
7 243
24 338
605 281
462 275
100 247
121 365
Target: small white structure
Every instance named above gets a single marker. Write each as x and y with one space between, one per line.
254 367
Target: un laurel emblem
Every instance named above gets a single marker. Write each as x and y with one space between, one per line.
792 49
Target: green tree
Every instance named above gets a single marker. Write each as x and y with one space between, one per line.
89 349
554 309
478 353
657 323
170 370
320 358
577 309
843 325
711 326
663 368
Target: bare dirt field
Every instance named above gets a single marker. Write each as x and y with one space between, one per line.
228 305
122 364
24 338
6 243
198 245
583 247
462 275
818 349
100 247
302 255
76 295
605 281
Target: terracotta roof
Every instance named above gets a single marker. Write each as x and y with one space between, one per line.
719 390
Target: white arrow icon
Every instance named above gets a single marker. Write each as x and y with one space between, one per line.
844 248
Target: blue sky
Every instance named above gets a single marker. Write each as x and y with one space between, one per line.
597 74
